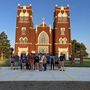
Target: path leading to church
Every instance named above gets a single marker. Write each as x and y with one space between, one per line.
71 74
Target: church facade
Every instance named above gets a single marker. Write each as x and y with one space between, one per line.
43 38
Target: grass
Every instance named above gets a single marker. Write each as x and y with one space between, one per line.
86 63
6 63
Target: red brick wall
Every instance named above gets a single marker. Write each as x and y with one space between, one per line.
57 32
46 29
32 35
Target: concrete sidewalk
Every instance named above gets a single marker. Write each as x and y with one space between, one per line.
70 74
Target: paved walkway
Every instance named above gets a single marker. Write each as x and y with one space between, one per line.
71 74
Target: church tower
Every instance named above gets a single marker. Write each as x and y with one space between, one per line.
24 30
43 39
61 31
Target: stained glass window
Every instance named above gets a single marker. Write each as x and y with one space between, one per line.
43 38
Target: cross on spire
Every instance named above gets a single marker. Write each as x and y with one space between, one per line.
43 19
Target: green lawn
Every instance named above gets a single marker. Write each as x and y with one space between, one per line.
5 64
86 63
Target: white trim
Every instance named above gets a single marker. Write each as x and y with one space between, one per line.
27 9
63 44
20 50
43 44
58 9
22 14
23 43
63 22
50 29
23 21
62 29
24 7
36 28
42 26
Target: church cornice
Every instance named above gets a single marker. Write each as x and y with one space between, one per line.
63 22
23 21
62 44
23 43
58 9
43 44
26 9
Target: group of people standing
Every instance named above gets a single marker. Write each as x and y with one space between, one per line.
37 62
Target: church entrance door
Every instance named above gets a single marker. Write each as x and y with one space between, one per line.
64 51
43 49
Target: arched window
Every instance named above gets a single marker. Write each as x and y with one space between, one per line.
43 38
62 17
63 40
25 40
24 16
60 40
23 30
21 40
62 31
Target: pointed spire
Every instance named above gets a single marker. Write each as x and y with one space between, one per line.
36 28
43 21
50 28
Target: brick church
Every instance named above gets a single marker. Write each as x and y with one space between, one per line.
43 38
